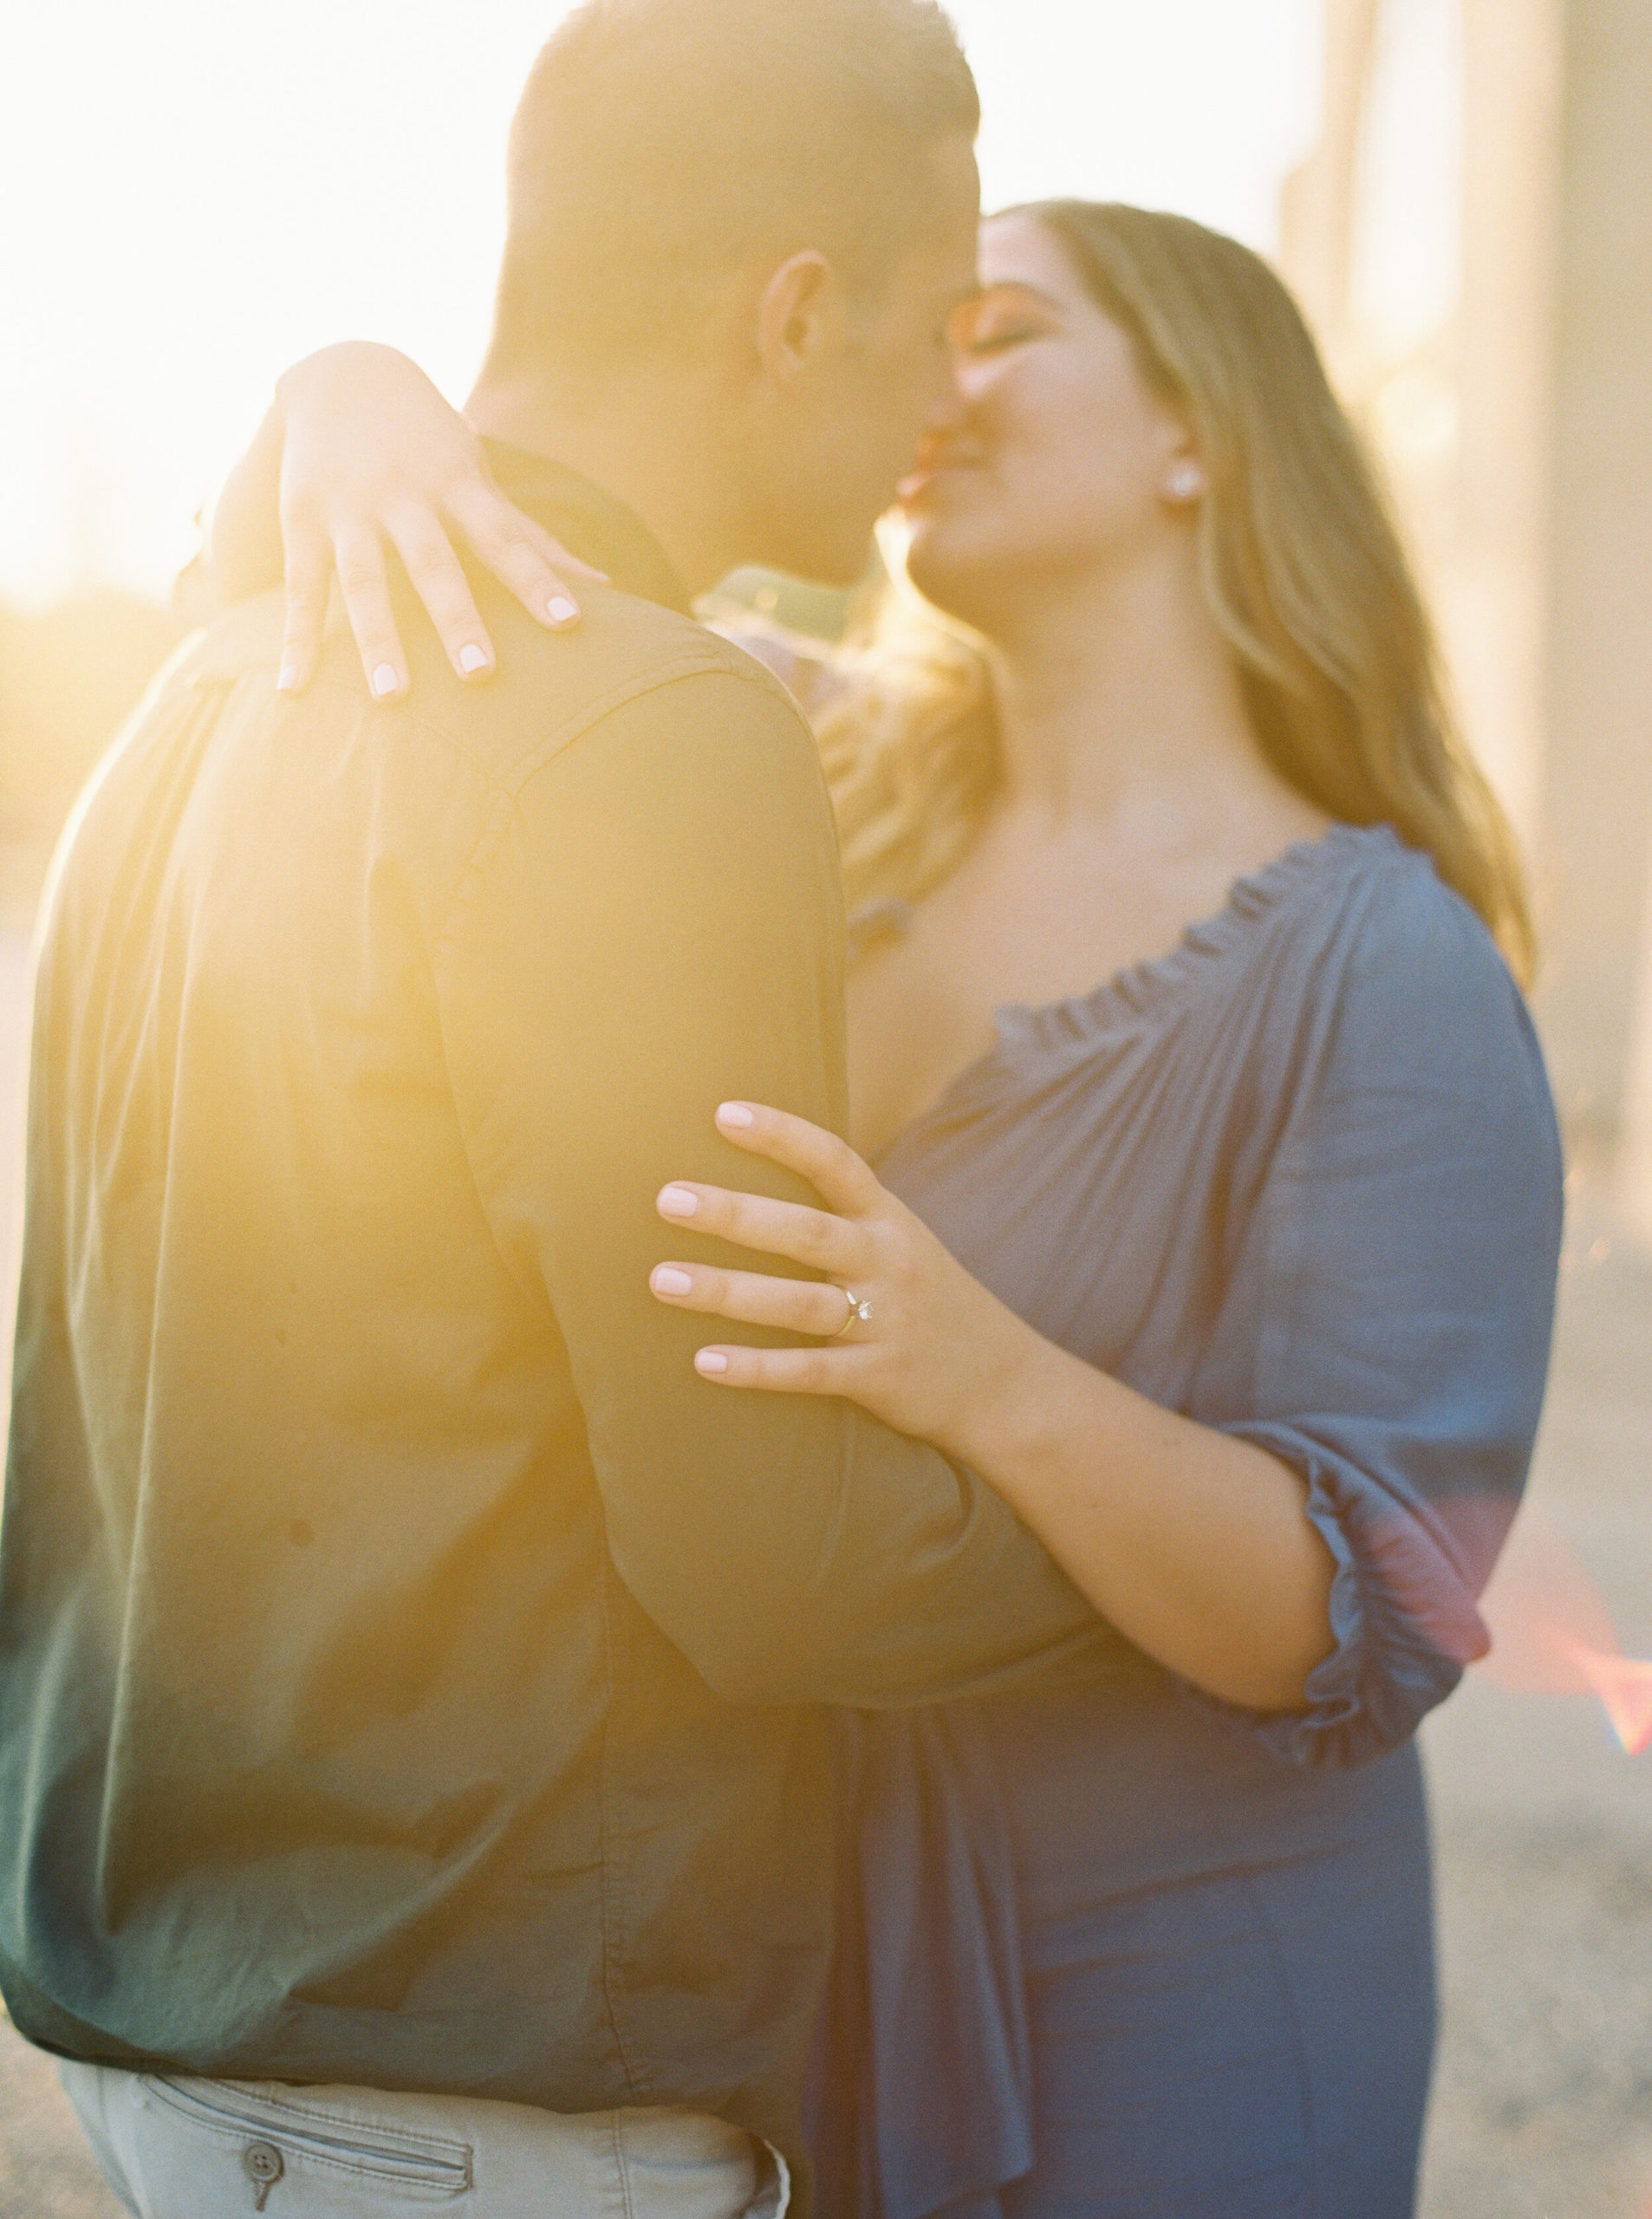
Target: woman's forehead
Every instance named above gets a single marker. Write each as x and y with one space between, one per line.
1017 250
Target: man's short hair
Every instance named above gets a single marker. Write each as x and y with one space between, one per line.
659 144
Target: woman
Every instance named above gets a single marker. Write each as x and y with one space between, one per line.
1233 1272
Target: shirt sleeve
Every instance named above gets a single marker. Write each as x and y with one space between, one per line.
1404 1265
656 927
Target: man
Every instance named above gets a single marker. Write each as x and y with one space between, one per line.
410 1753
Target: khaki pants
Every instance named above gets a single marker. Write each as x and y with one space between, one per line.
176 2148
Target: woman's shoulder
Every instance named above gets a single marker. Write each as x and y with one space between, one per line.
1403 976
1359 905
1397 931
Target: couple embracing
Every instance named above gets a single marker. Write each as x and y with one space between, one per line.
568 1646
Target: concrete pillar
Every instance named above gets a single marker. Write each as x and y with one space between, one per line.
1317 213
1462 415
1497 590
1594 807
1537 532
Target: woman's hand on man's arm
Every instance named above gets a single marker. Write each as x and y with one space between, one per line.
360 457
1194 1544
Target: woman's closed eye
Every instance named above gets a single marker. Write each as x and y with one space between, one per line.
993 323
992 342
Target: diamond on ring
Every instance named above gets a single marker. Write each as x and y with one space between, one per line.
860 1310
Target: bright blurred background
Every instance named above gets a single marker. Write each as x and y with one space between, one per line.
199 193
196 191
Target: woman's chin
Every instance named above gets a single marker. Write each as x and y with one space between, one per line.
947 577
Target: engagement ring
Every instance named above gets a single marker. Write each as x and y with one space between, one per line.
859 1308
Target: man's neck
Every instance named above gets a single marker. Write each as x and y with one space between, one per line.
657 442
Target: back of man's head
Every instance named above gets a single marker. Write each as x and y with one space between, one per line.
660 144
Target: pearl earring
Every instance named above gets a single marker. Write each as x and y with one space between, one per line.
1186 481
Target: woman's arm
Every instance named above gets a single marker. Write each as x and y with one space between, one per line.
1193 1544
1402 1261
360 454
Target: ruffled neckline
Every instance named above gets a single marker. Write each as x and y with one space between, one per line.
1154 978
1157 983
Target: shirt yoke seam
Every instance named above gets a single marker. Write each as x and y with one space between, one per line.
689 662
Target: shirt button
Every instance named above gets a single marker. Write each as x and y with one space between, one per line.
263 2164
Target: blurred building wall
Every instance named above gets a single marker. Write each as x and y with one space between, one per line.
1517 434
1596 814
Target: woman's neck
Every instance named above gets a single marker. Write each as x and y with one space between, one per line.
1120 700
1134 794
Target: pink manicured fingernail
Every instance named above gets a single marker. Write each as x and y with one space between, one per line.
471 659
287 678
677 1202
709 1362
561 611
384 680
667 1279
735 1114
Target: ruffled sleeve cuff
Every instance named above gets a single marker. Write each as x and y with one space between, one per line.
1403 1616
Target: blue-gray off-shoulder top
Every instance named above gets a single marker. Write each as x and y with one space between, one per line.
1299 1180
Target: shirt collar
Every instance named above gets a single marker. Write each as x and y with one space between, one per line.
590 522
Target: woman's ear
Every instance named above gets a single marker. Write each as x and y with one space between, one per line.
800 316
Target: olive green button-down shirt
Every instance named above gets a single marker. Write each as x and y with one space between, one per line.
411 1673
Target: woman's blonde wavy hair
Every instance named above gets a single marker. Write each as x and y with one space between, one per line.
1303 567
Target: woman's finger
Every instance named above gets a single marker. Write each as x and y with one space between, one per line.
829 1164
310 571
359 560
829 1245
753 1297
784 1371
436 577
500 538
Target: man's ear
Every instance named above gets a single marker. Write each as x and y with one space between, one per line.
800 316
